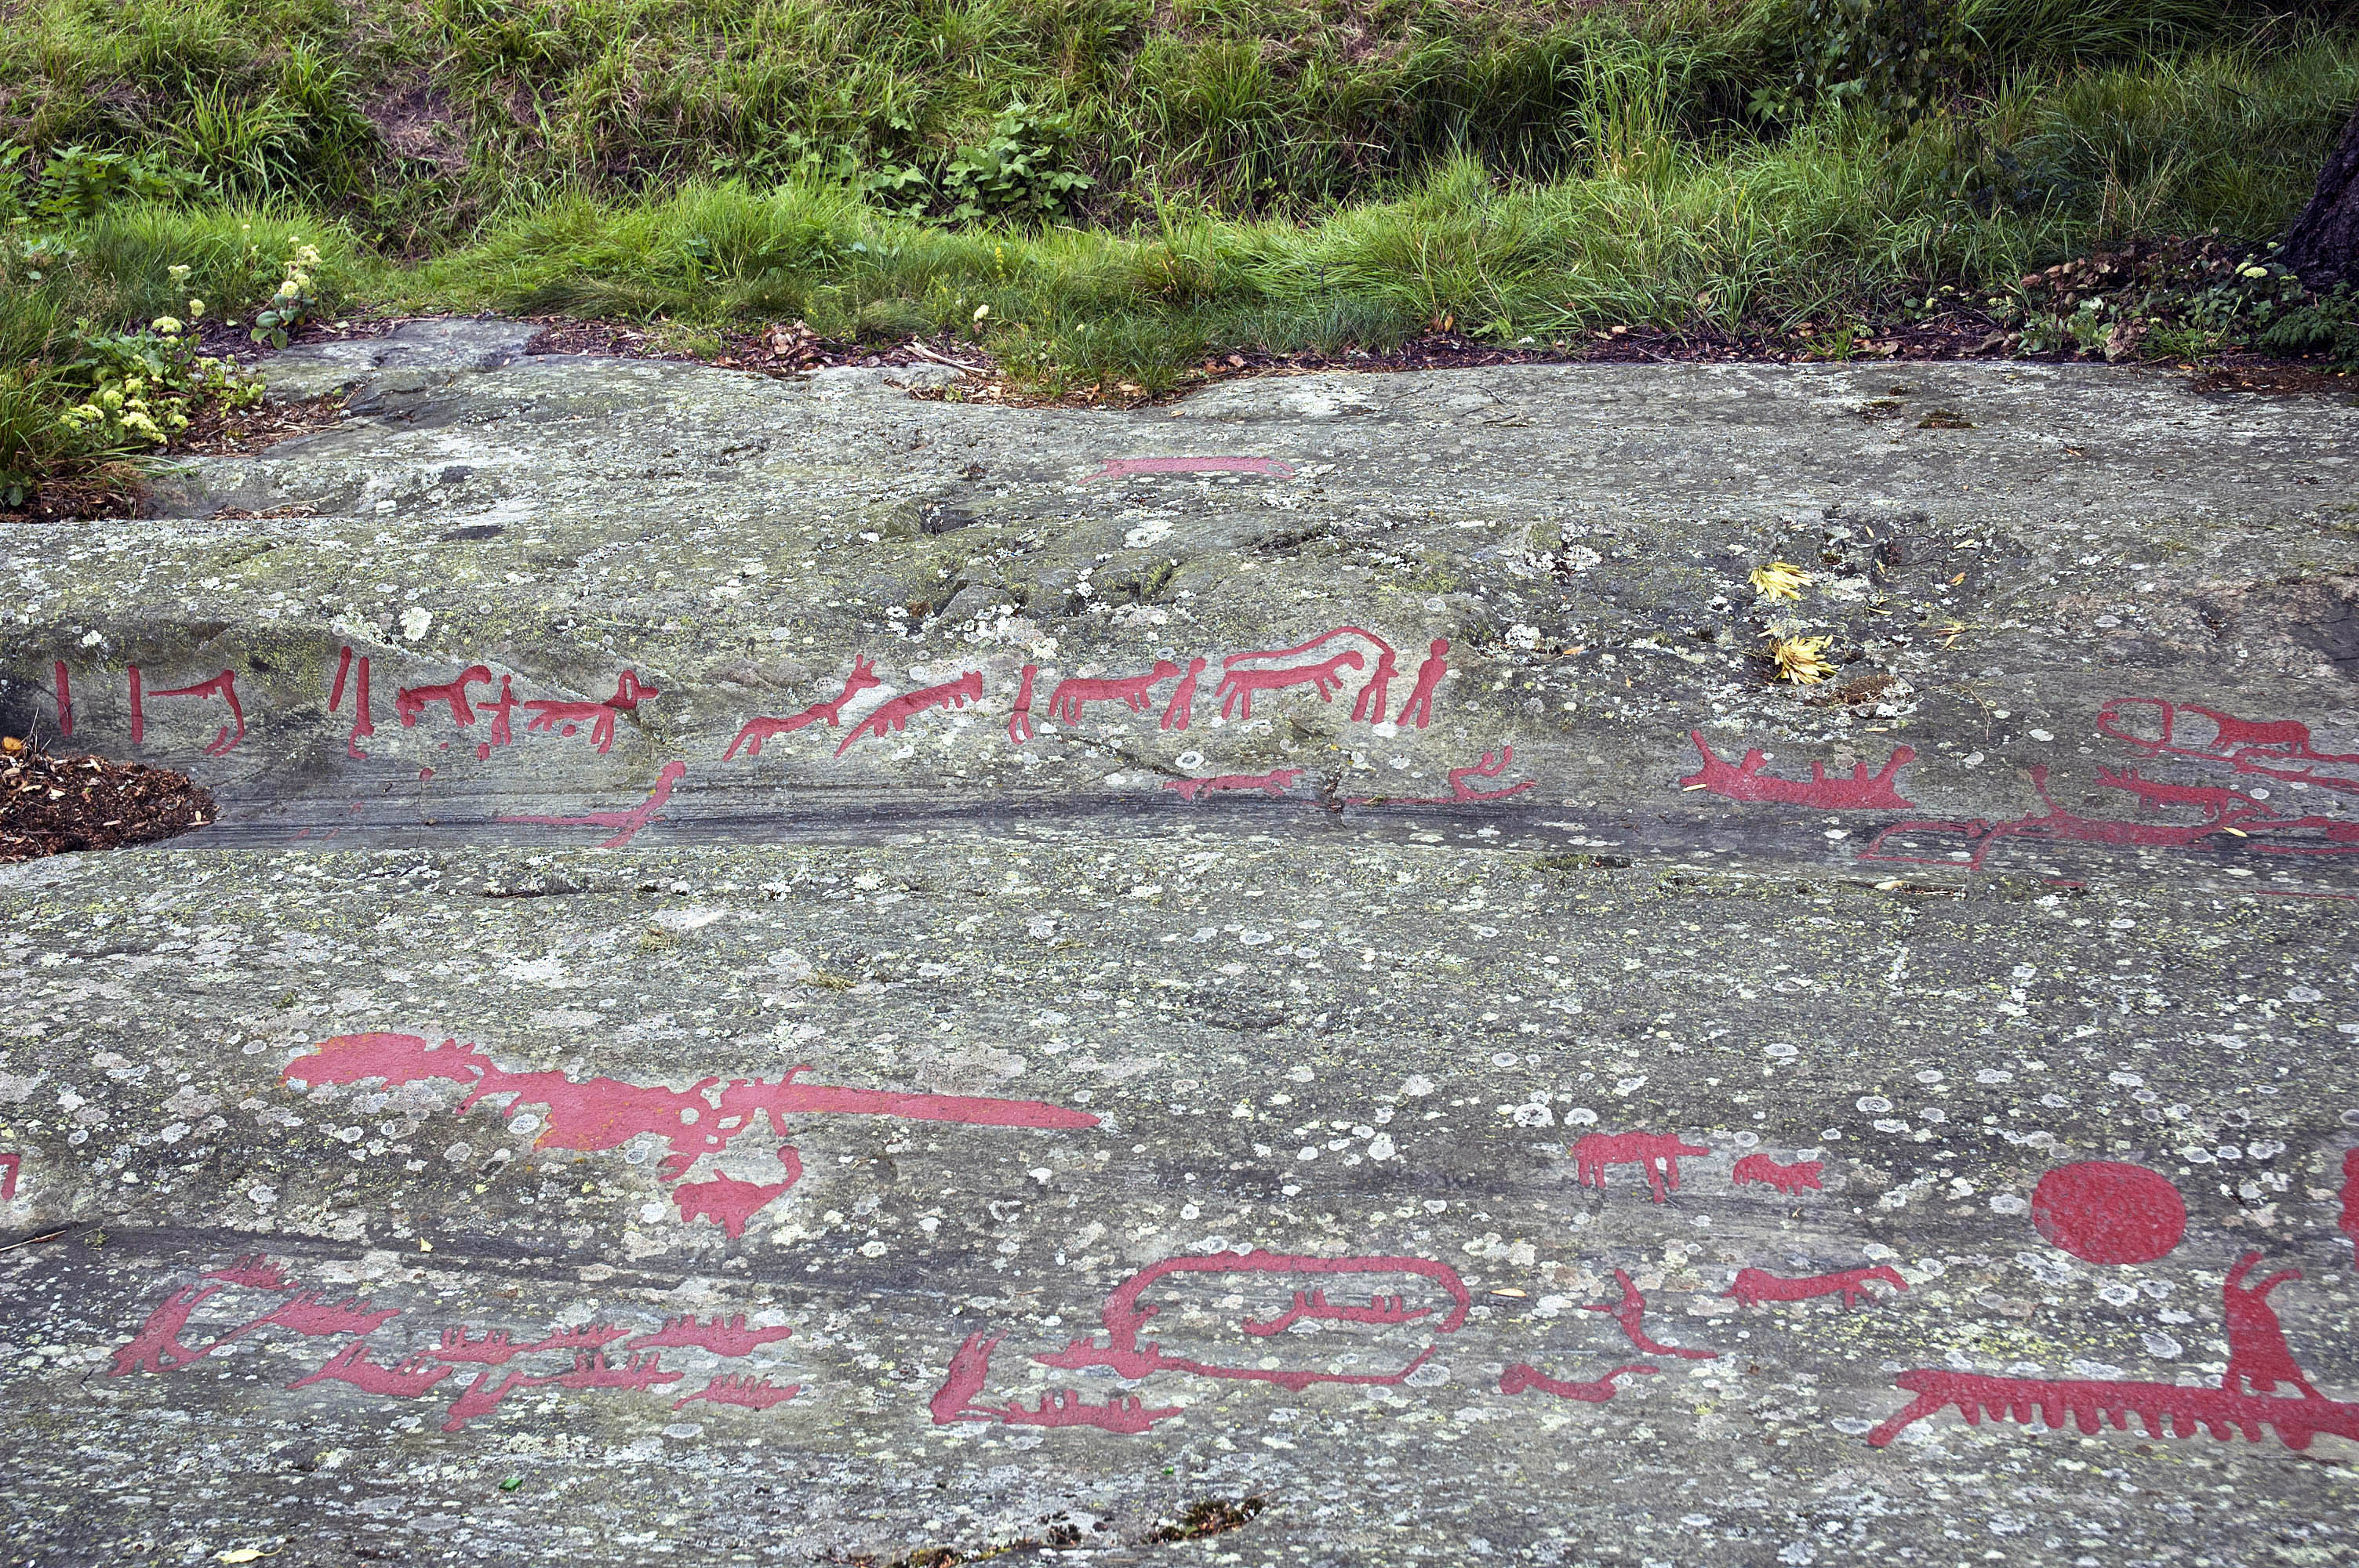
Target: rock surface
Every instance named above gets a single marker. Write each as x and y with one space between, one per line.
727 886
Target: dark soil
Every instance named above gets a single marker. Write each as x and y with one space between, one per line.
51 804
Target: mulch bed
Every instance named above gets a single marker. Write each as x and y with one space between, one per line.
51 804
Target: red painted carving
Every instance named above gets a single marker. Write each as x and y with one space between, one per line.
1794 1178
2258 1357
1119 468
1277 781
751 1392
955 1401
1630 1312
756 730
630 821
1522 1375
1492 764
2349 1223
8 1166
157 1346
351 1365
895 713
2094 1403
494 1349
728 1202
1133 692
1183 706
1746 780
1237 687
1019 721
482 1397
363 723
970 1370
566 717
409 702
729 1338
1428 676
586 1336
604 1113
592 1370
65 700
1124 1316
1313 1307
254 1271
2108 1212
1754 1286
1657 1154
311 1313
2237 819
2267 746
499 708
223 685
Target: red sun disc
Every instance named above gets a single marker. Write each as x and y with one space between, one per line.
2107 1212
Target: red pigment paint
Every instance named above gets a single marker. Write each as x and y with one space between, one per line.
410 702
1522 1375
311 1313
752 1393
1133 692
1657 1154
564 716
956 1402
1313 1307
730 1337
1428 676
157 1346
482 1397
363 722
1183 706
588 1337
351 1365
1630 1312
2258 1357
1277 781
1123 1317
8 1164
2349 1223
970 1370
65 700
1019 721
2094 1404
591 1370
1462 792
2267 746
138 706
1754 1286
1237 688
1795 1178
1119 467
223 685
604 1113
756 730
494 1349
2107 1212
630 821
895 713
1746 780
726 1201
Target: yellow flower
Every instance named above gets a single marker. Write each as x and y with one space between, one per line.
167 325
1778 580
1798 659
196 308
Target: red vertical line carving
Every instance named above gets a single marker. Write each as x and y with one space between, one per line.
65 702
336 688
138 713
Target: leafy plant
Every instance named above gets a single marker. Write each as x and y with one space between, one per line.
141 386
1897 59
79 182
1020 170
291 305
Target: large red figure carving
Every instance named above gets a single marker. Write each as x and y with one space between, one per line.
1183 706
1799 1177
223 685
895 713
1746 780
1630 1312
604 1113
2108 1212
1657 1154
1754 1286
2258 1357
756 730
1418 709
2267 746
1237 687
1133 692
630 821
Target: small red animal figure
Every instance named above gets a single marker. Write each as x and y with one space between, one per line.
1630 1312
550 713
1754 1286
895 713
1515 1380
1065 703
1768 1172
411 701
1277 781
2258 1357
756 730
1237 687
1658 1153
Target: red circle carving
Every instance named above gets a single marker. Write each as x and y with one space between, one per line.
2107 1212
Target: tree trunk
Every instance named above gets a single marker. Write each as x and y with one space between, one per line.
2323 247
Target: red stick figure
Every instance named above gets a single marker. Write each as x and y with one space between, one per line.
1177 712
2258 1357
1631 1314
223 685
756 730
363 722
1428 675
1019 723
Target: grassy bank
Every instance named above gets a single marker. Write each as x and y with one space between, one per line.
1101 192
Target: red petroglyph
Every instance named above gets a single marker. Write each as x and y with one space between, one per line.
364 722
564 716
1062 1407
1124 1316
482 1397
157 1346
1746 780
1313 1307
1428 675
1277 781
1133 692
8 1167
1794 1178
726 1201
1019 721
730 1337
65 700
1657 1154
1630 1312
1515 1380
2232 817
592 1370
1237 687
2094 1403
604 1113
895 713
1492 764
630 821
351 1365
2108 1212
409 702
1183 706
499 708
223 685
752 1393
756 730
970 1370
588 1337
1119 468
311 1313
1754 1286
2258 1357
2267 746
494 1349
2349 1223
